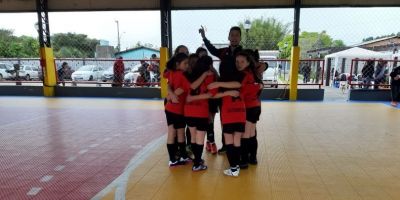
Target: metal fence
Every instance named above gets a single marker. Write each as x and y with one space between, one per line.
81 72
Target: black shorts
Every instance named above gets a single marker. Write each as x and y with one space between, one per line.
200 123
214 105
253 114
234 127
174 119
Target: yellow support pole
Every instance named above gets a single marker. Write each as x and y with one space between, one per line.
49 71
294 73
163 64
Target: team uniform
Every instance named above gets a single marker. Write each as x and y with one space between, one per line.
174 111
251 91
197 112
174 115
196 115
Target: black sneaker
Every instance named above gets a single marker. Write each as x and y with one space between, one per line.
253 161
173 163
222 149
244 165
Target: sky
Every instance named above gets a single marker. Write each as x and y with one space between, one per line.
348 24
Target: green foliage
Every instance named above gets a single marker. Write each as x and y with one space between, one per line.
264 34
308 41
17 47
72 45
65 45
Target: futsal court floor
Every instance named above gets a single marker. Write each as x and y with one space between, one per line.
103 148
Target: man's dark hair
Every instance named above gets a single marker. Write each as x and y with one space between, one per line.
236 28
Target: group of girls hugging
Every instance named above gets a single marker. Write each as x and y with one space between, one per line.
196 91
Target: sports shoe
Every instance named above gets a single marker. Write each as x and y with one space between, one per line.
253 160
199 167
232 171
208 146
222 149
183 161
173 163
244 165
394 104
214 149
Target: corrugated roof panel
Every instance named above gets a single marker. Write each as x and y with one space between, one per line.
97 5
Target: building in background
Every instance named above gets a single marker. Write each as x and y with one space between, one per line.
138 53
104 50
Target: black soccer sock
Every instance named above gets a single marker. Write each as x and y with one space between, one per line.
236 156
171 152
210 132
223 141
188 136
198 153
230 154
244 150
253 146
182 149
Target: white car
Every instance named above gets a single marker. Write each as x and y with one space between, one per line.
270 77
28 72
132 75
107 74
4 68
87 73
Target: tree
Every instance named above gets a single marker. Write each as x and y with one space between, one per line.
264 34
72 45
17 47
308 41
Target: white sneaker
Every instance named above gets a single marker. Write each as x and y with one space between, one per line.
232 171
173 164
183 161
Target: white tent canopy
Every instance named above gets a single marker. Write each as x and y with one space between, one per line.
348 55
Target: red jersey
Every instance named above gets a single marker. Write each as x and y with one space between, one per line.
251 90
177 80
233 109
199 108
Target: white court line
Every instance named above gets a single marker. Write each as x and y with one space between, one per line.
59 168
70 159
136 146
93 145
83 151
46 178
34 191
121 182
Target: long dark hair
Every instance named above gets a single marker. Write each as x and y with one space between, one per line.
203 64
176 59
178 47
252 57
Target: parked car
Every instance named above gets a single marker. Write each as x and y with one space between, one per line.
28 72
5 71
87 73
270 77
107 74
132 75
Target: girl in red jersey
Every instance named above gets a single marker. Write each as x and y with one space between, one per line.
196 109
233 116
251 90
174 109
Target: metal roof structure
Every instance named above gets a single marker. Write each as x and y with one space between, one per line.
105 5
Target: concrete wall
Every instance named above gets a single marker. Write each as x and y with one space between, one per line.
303 94
370 95
267 94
